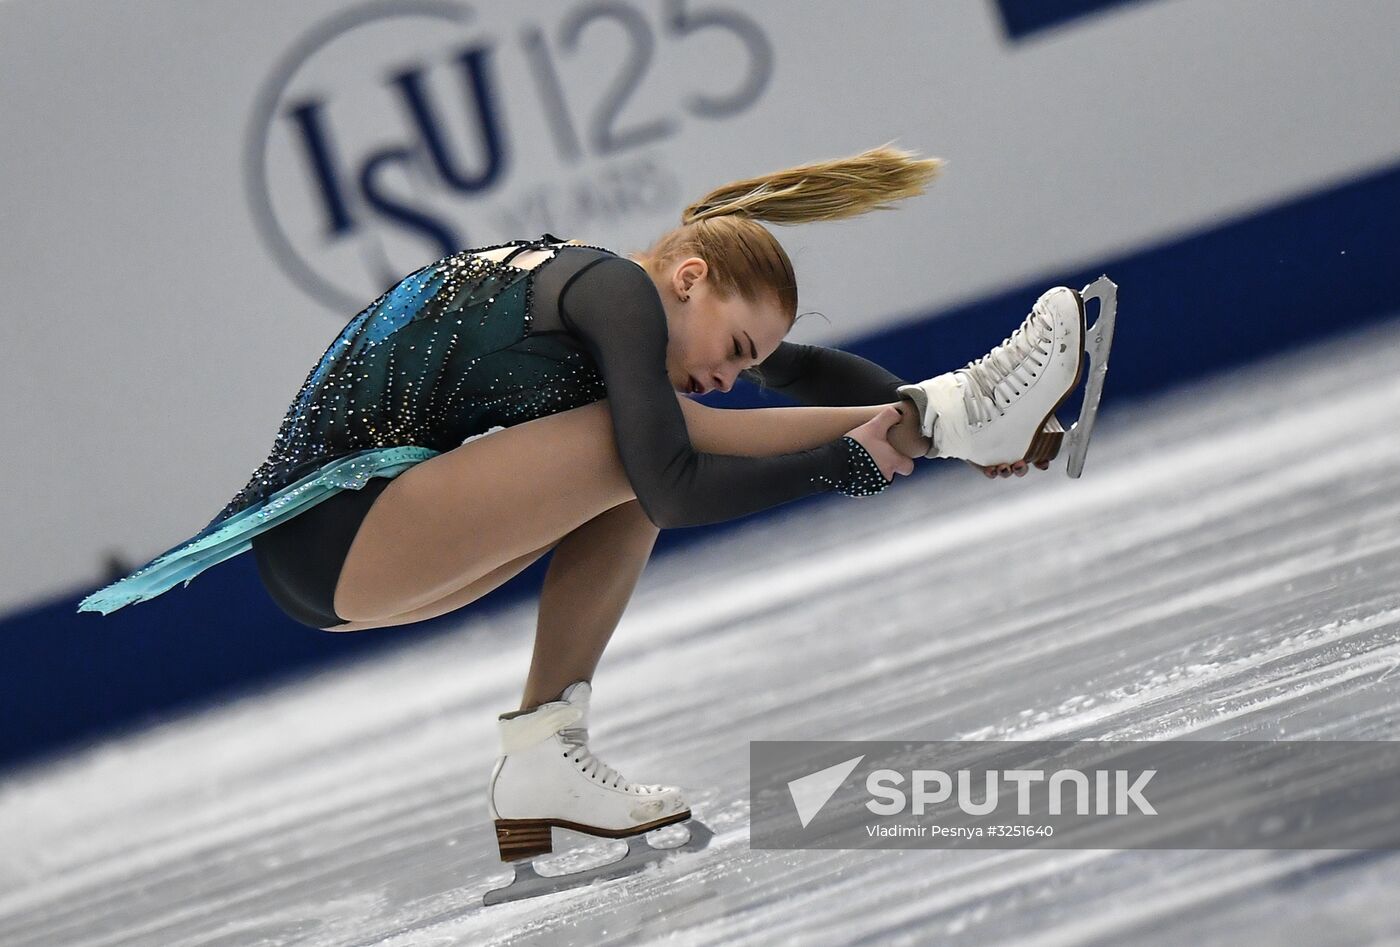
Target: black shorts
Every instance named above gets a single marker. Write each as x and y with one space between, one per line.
299 560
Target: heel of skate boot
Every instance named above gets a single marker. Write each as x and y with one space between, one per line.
523 838
1045 446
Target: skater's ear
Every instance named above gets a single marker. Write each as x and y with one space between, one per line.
689 274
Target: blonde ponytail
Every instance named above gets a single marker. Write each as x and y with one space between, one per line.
822 190
723 228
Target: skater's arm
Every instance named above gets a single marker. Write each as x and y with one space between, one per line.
818 374
613 307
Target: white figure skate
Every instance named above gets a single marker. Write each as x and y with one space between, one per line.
546 778
1000 408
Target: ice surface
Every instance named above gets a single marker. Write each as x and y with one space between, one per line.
1226 569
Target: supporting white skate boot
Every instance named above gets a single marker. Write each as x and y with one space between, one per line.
546 778
1000 408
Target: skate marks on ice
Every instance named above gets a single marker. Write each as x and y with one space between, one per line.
1226 570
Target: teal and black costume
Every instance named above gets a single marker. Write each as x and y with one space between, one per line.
466 345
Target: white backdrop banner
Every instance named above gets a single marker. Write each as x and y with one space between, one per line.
196 197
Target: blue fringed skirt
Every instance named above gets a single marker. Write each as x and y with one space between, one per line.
233 536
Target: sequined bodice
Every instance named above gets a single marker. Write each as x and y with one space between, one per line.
448 352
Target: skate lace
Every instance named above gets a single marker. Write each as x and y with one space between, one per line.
576 738
1010 362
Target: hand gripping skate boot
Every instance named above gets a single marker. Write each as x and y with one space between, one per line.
1000 408
547 778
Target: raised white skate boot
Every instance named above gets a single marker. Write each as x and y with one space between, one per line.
1000 408
547 778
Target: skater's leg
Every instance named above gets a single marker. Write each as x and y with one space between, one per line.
586 588
461 597
452 520
759 432
448 523
588 585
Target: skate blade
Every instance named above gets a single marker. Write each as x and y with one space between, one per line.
529 883
1098 339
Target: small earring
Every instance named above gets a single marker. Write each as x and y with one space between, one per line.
685 299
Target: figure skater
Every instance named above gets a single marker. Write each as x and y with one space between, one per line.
506 402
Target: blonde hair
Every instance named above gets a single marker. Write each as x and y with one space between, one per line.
744 258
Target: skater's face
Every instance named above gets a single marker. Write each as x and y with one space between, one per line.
713 339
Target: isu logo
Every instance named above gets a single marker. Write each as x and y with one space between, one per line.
351 168
392 134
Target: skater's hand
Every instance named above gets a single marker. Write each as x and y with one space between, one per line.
874 436
1005 470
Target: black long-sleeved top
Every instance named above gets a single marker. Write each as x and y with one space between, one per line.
611 304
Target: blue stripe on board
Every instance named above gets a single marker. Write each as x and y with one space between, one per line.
1023 18
1246 289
